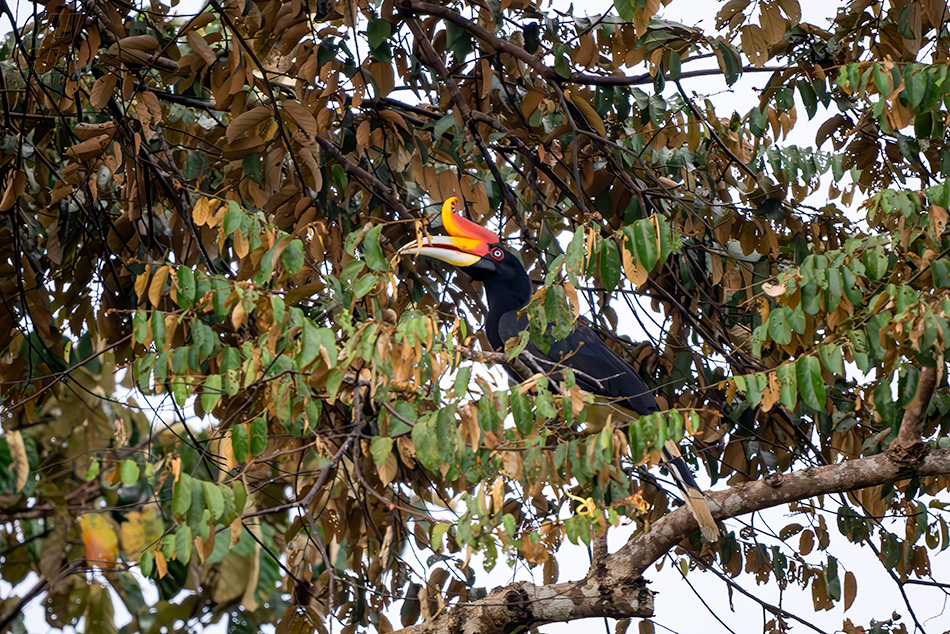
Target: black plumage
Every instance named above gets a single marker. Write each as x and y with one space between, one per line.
597 368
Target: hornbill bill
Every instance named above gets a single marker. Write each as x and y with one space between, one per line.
478 252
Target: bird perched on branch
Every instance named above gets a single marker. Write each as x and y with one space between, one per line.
478 253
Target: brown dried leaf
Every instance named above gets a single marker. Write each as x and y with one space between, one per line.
850 589
201 48
13 191
301 116
243 123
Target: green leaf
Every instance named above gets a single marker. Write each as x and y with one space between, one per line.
832 358
758 122
240 443
448 434
211 393
728 62
363 285
574 254
442 126
258 436
644 236
380 448
811 387
809 98
557 311
139 326
675 65
129 472
850 284
377 32
788 385
147 563
940 270
562 65
610 266
292 258
426 443
158 329
183 537
252 164
233 219
214 499
373 252
186 287
461 381
626 10
521 411
334 381
875 263
779 329
438 532
458 40
312 339
181 497
832 581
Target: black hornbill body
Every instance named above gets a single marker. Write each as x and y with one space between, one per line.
478 252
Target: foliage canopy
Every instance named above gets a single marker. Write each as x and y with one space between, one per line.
213 375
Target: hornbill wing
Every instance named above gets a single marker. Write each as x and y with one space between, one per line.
597 368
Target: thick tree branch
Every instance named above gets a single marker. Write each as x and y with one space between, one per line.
912 426
748 497
522 606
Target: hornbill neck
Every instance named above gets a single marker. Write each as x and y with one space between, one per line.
505 293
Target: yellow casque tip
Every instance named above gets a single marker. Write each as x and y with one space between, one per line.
448 209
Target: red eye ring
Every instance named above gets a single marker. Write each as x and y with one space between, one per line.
497 254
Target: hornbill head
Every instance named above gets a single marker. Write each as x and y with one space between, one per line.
474 249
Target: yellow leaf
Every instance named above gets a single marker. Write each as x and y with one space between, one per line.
18 453
141 282
140 530
634 273
160 564
157 286
238 315
102 545
590 115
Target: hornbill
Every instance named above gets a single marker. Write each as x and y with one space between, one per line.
478 252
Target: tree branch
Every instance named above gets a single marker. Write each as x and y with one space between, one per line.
908 439
748 497
521 606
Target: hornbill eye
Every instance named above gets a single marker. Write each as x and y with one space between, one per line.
497 254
